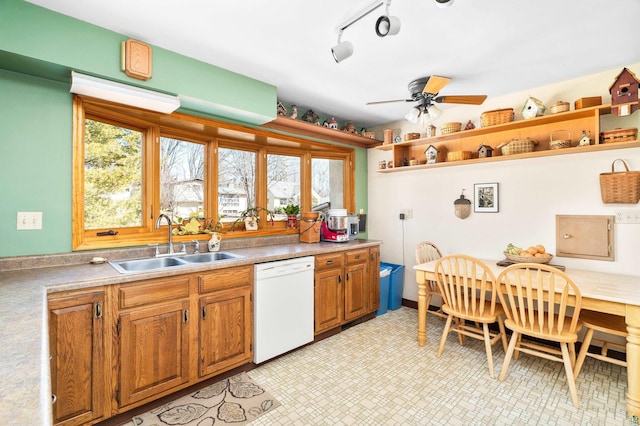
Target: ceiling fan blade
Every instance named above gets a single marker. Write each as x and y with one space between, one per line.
461 99
435 83
388 102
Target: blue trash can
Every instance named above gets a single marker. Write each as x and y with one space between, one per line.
396 284
385 276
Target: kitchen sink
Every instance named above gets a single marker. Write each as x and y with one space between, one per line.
154 263
210 257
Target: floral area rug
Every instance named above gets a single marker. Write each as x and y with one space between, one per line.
234 401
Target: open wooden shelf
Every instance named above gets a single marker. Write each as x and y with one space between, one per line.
538 129
304 128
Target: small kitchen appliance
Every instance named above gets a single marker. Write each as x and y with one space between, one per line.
336 226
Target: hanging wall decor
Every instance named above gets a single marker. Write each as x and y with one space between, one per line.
462 207
485 197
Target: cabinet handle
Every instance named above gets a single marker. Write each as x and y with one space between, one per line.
98 310
329 262
204 312
339 279
347 277
185 316
54 398
357 256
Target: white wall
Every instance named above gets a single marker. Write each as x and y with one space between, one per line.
532 192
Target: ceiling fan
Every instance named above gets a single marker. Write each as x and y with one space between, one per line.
425 90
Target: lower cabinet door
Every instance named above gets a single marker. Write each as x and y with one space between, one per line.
328 299
226 330
356 291
154 351
76 346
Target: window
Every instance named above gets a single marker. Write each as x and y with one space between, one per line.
283 181
181 178
112 175
130 165
236 182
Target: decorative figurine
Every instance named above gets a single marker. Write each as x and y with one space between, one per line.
333 124
349 128
624 93
469 125
294 112
310 116
282 110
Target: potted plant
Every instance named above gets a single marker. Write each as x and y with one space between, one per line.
250 218
292 211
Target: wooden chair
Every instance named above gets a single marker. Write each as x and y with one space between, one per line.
605 323
537 300
468 294
427 251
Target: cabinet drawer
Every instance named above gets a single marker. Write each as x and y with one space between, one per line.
153 291
331 260
357 256
225 278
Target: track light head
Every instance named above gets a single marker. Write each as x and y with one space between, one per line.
342 50
444 3
387 25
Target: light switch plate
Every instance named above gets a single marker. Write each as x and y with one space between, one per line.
29 221
628 216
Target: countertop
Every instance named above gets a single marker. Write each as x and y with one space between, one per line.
25 394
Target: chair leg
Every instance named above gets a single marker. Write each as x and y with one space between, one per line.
443 339
507 357
583 352
517 354
487 346
428 302
503 333
568 368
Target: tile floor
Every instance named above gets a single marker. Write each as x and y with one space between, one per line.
376 374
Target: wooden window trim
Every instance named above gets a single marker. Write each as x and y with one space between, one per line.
214 135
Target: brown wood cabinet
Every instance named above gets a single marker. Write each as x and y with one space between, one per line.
345 287
76 344
226 320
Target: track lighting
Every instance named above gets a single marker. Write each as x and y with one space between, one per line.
342 50
444 3
387 25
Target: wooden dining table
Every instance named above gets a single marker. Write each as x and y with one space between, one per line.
601 291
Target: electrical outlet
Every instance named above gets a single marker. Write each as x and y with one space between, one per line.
408 213
628 216
29 221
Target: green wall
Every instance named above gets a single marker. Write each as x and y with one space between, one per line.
38 49
35 176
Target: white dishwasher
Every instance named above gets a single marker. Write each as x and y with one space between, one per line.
283 306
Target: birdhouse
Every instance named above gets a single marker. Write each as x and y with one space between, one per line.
485 151
624 93
532 108
432 154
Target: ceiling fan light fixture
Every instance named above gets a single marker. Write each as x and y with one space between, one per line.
387 25
342 50
434 112
413 115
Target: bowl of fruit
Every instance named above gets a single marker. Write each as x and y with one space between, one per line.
533 254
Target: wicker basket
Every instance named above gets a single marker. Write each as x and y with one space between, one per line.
496 116
620 187
559 107
458 155
560 143
527 259
518 146
619 135
451 127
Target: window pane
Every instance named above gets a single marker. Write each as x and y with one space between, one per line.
283 181
236 182
112 176
181 178
327 182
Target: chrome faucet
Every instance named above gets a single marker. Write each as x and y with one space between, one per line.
169 223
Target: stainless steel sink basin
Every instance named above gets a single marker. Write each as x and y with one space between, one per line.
210 257
154 263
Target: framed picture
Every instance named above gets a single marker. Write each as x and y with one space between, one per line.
485 198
